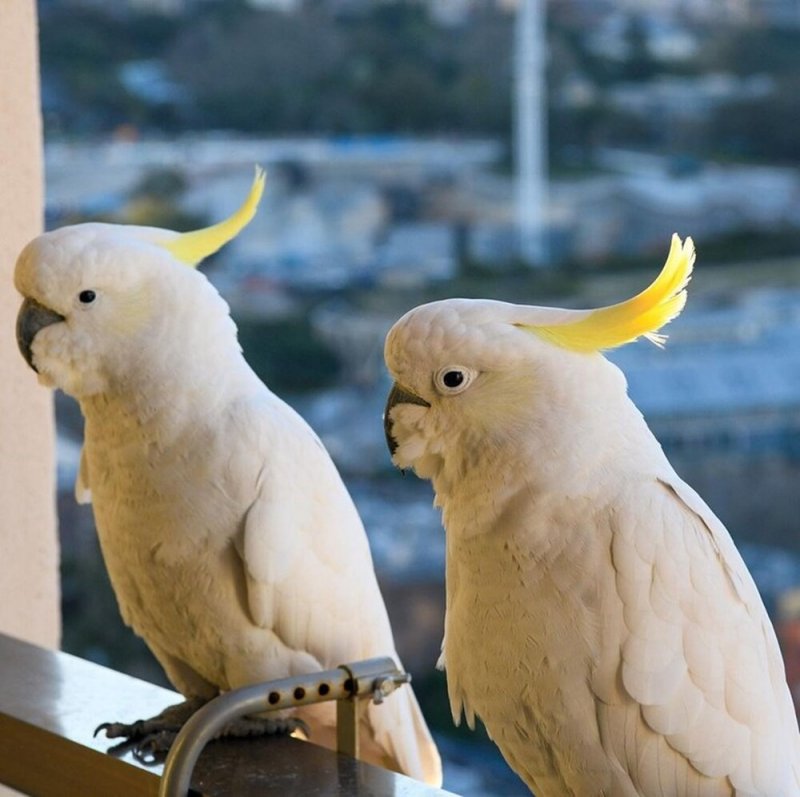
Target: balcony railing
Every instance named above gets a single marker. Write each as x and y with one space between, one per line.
51 702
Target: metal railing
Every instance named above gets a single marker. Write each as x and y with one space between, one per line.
371 679
51 702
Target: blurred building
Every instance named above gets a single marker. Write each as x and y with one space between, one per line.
724 401
669 97
346 211
730 380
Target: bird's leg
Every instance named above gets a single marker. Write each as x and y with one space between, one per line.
149 740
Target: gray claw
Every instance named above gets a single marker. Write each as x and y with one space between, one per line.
115 730
152 748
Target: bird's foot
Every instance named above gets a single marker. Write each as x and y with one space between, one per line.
149 740
264 726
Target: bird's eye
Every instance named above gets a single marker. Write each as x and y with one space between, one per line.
453 379
87 297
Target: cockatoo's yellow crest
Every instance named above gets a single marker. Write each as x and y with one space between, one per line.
192 247
643 315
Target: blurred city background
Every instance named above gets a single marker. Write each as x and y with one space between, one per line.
436 148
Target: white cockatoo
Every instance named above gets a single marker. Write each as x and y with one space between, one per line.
599 619
232 544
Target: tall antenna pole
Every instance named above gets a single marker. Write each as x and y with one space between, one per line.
530 120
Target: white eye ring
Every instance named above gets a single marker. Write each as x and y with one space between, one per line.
453 379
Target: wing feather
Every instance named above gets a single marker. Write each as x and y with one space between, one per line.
699 653
310 577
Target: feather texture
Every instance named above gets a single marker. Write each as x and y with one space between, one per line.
193 247
230 540
600 620
641 316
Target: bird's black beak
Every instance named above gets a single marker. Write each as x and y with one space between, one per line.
33 317
398 395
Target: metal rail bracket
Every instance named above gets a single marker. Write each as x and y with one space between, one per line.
372 679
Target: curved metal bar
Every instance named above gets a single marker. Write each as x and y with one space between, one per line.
373 678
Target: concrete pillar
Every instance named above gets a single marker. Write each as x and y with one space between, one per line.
29 583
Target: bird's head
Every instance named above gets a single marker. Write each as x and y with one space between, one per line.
99 300
473 374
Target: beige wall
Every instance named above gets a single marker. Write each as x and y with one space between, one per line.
29 592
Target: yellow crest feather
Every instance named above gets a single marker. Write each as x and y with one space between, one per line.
643 315
192 247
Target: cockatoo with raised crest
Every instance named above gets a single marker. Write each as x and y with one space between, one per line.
232 544
599 619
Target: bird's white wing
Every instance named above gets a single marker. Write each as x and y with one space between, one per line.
698 651
309 569
310 577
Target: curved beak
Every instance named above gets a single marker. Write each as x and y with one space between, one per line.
31 318
398 395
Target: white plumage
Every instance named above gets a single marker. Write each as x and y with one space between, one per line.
232 544
599 619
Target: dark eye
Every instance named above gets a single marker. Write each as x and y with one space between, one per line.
452 378
87 297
